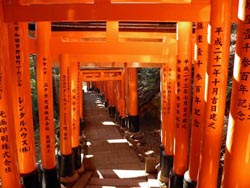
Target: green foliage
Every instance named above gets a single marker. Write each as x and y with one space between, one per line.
33 86
148 84
148 92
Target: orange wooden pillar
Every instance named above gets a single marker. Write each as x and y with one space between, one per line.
81 103
105 88
102 94
88 86
19 64
164 174
237 164
216 93
9 169
183 92
45 102
117 100
133 101
111 98
108 87
66 160
123 100
97 86
75 116
198 107
168 87
126 91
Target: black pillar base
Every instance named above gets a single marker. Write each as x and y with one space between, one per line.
119 119
123 124
166 164
187 182
31 180
161 150
82 125
126 121
102 96
117 114
66 165
50 178
106 104
133 124
176 181
77 157
112 111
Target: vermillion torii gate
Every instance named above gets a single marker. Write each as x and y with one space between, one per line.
124 50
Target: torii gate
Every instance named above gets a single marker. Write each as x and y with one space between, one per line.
113 53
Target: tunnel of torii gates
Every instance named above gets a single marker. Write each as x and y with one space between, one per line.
191 138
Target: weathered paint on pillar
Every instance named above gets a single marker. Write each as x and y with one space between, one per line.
237 163
216 93
198 107
184 72
19 64
9 169
45 102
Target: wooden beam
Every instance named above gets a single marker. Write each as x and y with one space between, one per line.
101 36
100 75
93 53
113 60
112 64
126 48
170 12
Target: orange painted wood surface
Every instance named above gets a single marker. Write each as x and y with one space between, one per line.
183 80
74 101
216 93
196 12
170 110
198 107
65 107
9 169
45 96
237 164
21 93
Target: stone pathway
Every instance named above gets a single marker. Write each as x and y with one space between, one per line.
110 150
117 164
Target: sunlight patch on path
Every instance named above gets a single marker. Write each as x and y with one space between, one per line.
117 141
108 123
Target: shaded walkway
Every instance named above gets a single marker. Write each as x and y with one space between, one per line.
117 164
110 150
